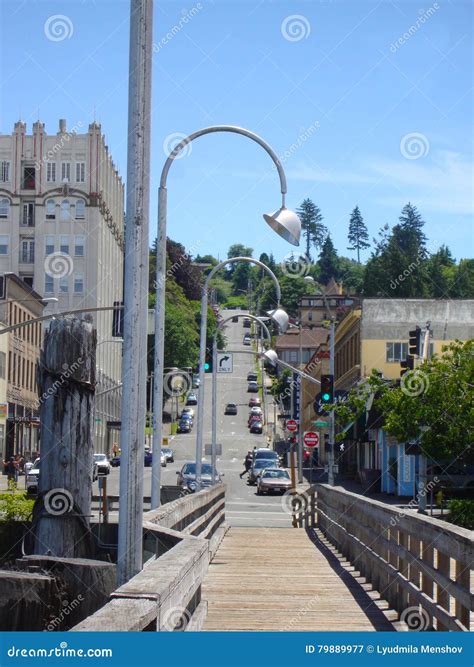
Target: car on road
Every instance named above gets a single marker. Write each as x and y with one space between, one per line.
230 409
246 341
184 426
252 377
187 476
256 427
273 480
196 383
256 410
32 478
187 417
168 453
252 387
258 467
246 323
192 399
235 318
103 465
255 402
265 453
252 419
188 411
148 459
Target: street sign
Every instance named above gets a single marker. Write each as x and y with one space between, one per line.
291 425
225 362
208 450
311 439
321 423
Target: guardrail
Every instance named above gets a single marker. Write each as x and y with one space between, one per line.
417 563
180 539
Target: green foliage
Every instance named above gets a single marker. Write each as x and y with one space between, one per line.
311 225
240 302
351 274
329 266
14 505
358 235
461 513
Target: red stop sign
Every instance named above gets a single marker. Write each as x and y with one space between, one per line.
292 425
311 439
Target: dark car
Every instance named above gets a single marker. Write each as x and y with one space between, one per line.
184 426
235 318
252 377
187 476
256 427
246 323
147 460
230 409
252 419
187 417
252 387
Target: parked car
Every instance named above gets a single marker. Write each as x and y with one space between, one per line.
32 478
235 318
230 409
192 399
273 480
266 453
258 467
252 387
252 419
148 459
169 454
256 410
163 461
246 341
246 323
187 476
252 377
255 402
187 417
188 411
196 383
452 475
184 426
256 427
103 465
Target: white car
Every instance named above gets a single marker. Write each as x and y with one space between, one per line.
188 411
103 465
32 478
256 411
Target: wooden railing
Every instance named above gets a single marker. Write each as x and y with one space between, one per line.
422 566
179 541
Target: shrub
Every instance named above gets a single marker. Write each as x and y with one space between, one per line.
462 513
15 505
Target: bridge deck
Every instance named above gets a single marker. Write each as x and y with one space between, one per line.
286 579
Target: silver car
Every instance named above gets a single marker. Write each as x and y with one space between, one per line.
187 476
258 467
273 480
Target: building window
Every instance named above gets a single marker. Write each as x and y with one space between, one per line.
29 178
48 284
65 171
4 171
50 209
64 285
28 279
396 352
49 245
51 172
79 283
4 208
4 243
64 244
27 251
65 215
28 214
80 172
3 365
79 242
80 209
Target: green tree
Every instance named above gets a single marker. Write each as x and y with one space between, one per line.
311 225
329 266
463 287
351 274
441 271
358 235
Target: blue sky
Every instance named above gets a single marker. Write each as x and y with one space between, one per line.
366 102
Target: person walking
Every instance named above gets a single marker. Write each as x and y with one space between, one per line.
247 463
12 471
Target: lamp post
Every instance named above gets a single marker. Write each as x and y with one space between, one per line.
284 221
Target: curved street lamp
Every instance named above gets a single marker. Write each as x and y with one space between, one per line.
284 221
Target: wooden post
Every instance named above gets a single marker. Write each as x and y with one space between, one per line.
66 382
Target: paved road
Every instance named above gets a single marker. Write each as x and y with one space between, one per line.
243 506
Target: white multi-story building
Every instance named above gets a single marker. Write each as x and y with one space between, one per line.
62 232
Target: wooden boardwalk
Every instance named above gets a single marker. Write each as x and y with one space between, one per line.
286 579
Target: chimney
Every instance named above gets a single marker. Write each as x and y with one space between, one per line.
62 126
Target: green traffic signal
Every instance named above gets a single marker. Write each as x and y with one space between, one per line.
206 366
326 397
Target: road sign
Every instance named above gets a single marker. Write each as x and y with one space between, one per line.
321 423
311 439
291 425
225 362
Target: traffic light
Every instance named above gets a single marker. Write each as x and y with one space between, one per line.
327 389
208 362
407 365
117 320
414 342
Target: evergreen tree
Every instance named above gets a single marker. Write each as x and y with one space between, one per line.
412 225
441 272
358 236
313 229
328 262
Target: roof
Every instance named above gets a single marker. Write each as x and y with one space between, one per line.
310 338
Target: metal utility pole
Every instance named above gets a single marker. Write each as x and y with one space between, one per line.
422 462
134 371
300 429
331 414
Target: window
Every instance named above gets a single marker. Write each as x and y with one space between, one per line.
63 285
3 365
65 171
28 214
79 242
396 352
4 208
27 251
29 178
48 284
49 245
4 243
4 171
78 283
80 172
65 214
51 172
50 209
28 279
64 244
80 209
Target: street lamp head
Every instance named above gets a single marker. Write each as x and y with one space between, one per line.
50 299
308 279
271 356
280 317
286 223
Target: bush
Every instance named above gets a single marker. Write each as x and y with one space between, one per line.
15 505
462 513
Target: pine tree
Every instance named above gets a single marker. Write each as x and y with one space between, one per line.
313 229
358 235
328 262
412 224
